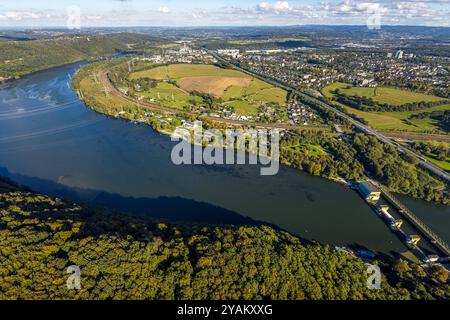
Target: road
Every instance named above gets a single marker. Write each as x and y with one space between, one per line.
111 89
435 170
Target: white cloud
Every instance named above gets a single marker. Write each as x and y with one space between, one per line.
371 7
14 15
346 6
163 9
93 17
267 12
410 5
277 7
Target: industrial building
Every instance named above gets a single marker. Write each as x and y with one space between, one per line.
369 191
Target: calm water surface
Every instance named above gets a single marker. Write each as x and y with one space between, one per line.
50 141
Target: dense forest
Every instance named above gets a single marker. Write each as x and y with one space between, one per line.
321 155
131 257
441 150
18 58
398 172
356 156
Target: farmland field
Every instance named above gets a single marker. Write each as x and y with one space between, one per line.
399 120
236 89
383 95
242 107
176 72
214 85
169 95
392 121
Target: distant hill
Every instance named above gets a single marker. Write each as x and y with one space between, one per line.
18 58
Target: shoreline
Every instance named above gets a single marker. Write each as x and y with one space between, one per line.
338 180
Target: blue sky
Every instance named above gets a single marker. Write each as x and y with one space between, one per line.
44 13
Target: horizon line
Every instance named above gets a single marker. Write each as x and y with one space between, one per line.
221 26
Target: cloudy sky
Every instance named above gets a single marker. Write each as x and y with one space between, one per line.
50 13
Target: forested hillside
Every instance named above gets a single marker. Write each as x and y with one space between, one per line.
129 257
18 58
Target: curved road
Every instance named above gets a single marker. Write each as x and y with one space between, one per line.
422 161
104 79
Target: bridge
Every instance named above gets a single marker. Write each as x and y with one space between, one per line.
435 240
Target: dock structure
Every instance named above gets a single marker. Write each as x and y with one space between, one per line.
435 240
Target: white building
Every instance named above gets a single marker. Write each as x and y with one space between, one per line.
229 52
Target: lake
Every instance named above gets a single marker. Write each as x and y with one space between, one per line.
51 142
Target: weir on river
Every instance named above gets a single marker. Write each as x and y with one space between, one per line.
440 244
375 194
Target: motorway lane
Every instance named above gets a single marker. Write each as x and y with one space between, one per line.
422 161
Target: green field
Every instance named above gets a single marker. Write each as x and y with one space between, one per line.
244 99
270 95
176 72
258 91
432 151
312 150
443 164
169 95
235 92
382 95
242 107
392 121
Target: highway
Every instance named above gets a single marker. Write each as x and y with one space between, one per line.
435 170
103 77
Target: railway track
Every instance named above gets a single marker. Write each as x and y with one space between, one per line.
104 80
